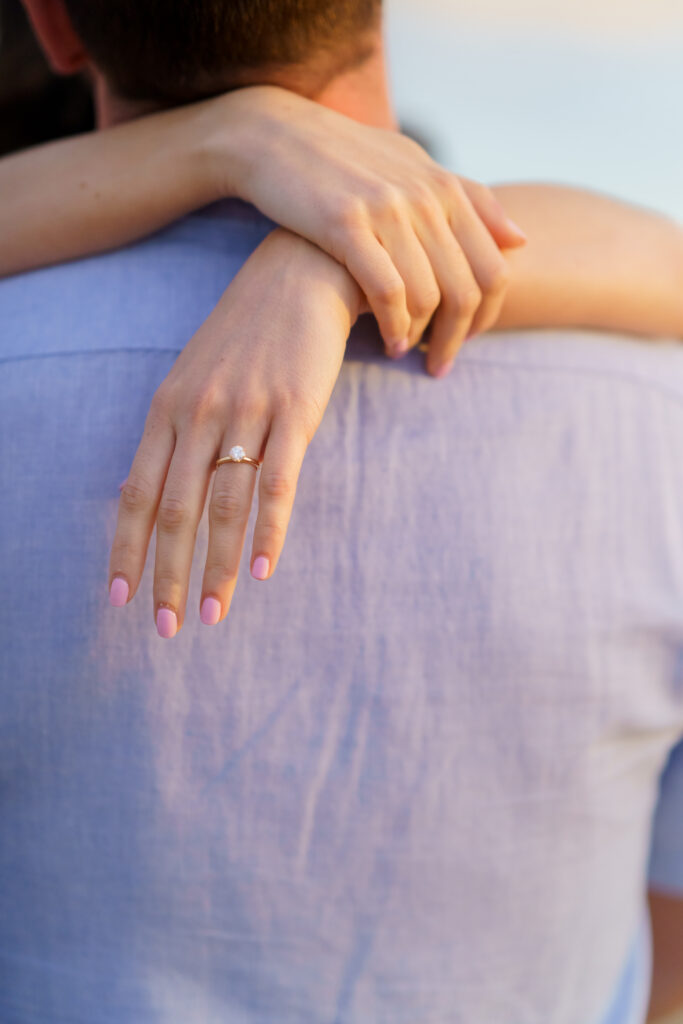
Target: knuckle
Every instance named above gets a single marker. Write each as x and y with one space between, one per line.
220 574
385 201
162 401
391 292
472 298
442 179
271 527
349 215
166 581
310 409
174 514
412 148
124 552
497 278
271 536
426 302
451 186
302 409
135 498
226 509
276 486
248 406
469 300
200 406
423 199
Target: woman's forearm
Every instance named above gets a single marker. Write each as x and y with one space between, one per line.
78 196
592 261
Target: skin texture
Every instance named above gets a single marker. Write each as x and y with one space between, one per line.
421 243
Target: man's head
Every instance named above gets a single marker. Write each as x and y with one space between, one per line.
168 52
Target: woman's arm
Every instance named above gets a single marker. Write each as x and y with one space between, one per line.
419 244
82 195
592 261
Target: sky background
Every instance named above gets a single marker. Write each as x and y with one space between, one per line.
587 92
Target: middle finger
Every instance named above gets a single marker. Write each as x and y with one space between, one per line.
180 511
415 268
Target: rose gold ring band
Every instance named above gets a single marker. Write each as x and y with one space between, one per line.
237 454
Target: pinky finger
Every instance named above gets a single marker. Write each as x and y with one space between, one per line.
376 274
277 486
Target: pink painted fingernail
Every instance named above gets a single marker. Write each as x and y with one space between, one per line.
443 370
122 484
167 623
118 592
211 611
260 568
399 348
516 230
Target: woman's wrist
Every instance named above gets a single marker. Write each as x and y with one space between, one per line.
236 132
314 269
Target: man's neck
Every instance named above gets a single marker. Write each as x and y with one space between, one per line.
361 93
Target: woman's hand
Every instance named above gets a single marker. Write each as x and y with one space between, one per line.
259 373
420 242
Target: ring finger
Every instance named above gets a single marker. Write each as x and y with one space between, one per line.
460 293
489 266
229 507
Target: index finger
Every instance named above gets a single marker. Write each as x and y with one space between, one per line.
138 503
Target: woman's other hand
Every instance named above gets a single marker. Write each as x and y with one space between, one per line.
423 244
258 373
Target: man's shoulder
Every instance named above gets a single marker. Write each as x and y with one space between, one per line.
622 362
151 294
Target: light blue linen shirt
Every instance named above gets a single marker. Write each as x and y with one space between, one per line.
409 780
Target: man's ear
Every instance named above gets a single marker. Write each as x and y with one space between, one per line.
52 26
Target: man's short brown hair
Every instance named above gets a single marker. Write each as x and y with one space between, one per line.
175 51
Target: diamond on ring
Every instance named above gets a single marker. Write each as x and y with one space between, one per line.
238 455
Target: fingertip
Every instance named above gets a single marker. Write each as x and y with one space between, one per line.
167 623
210 611
118 592
516 236
396 349
443 369
260 568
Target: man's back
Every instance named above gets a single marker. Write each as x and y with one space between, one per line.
411 777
